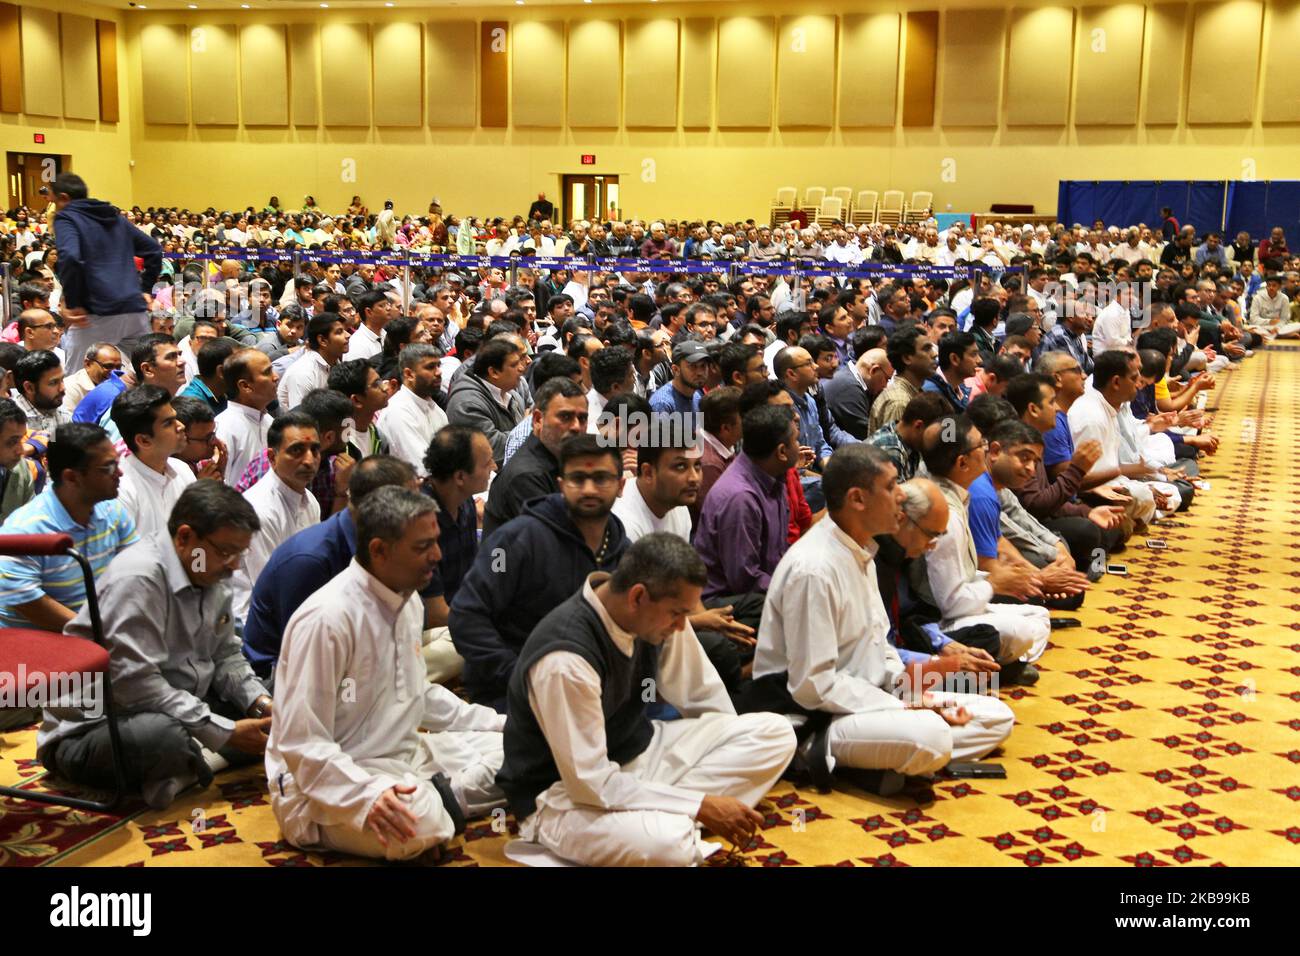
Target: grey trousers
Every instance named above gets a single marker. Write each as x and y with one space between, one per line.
102 328
161 758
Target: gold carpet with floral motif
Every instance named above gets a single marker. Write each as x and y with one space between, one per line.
1165 731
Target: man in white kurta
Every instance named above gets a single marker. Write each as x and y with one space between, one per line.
1095 416
152 480
281 499
244 425
361 730
826 629
412 417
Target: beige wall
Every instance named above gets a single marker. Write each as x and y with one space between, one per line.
1091 118
101 152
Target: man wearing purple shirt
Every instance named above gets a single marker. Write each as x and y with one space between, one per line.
744 521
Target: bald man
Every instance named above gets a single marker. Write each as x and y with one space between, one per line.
851 390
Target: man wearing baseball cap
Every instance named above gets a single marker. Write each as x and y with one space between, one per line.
682 394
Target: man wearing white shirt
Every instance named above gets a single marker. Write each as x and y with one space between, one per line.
591 778
823 647
412 417
949 577
841 251
377 310
281 499
667 483
611 374
1113 327
929 250
1094 416
365 756
327 342
152 480
243 426
1132 249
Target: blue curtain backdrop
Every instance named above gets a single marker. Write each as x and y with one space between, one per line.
1257 207
1197 202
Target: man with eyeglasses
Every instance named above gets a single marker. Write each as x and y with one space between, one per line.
38 330
100 361
949 577
188 705
81 501
203 451
824 657
534 562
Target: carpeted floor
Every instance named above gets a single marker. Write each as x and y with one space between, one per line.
1164 732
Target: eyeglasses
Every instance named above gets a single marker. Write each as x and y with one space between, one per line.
108 366
225 554
929 535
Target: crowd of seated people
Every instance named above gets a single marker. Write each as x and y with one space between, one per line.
612 550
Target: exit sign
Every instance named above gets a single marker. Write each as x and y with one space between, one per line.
39 138
589 159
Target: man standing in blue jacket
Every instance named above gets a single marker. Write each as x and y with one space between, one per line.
534 563
103 292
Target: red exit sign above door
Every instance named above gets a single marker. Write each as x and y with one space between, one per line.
589 159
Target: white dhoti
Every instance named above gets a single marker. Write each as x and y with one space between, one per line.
1159 448
1024 628
715 754
470 759
919 742
441 661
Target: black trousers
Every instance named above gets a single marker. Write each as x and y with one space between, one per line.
1087 542
727 657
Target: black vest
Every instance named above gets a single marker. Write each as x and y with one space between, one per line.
574 626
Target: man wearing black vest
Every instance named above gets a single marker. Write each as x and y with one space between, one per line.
588 774
532 563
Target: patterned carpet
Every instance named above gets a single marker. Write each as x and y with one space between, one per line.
1164 732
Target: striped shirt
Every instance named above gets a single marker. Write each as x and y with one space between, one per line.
27 579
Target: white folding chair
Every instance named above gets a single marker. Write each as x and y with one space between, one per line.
918 210
831 209
891 207
785 197
864 210
812 197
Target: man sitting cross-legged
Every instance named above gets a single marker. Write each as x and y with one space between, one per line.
181 687
347 764
589 775
949 577
823 646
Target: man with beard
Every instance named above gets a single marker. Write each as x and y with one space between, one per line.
588 774
282 499
659 499
532 563
187 702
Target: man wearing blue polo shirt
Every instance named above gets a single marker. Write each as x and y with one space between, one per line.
81 501
682 394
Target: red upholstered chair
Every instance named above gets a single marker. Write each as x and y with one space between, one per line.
45 658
